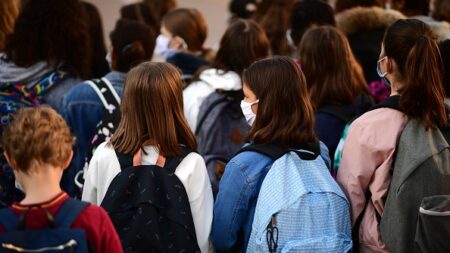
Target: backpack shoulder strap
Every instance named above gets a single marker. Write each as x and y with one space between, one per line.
8 219
393 102
272 151
173 162
125 160
105 92
69 211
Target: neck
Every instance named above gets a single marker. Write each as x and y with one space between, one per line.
42 184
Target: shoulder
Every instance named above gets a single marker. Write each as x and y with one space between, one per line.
193 163
250 164
381 117
81 92
105 151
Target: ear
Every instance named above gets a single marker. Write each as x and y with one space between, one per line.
179 43
10 161
67 163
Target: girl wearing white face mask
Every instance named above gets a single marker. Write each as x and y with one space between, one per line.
278 107
183 33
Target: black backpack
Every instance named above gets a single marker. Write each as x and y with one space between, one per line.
150 209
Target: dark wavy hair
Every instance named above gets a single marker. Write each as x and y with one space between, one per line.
54 31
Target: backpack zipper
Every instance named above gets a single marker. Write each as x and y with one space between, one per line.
70 244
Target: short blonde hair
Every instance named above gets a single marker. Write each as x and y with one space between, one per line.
37 134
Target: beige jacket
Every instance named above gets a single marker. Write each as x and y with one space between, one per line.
367 158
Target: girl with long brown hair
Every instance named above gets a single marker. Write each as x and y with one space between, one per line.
153 127
278 107
410 62
335 82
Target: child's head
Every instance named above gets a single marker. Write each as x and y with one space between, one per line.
243 43
37 138
152 110
284 112
187 24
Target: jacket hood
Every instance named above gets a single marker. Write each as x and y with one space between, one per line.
366 18
11 73
218 79
440 28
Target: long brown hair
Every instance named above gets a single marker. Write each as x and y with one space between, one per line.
152 110
243 43
413 47
332 72
285 115
8 14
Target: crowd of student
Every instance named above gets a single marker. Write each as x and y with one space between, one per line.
315 127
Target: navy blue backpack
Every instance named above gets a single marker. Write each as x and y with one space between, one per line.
58 237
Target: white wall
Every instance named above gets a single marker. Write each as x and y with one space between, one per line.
215 12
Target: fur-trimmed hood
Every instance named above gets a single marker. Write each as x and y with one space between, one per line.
366 18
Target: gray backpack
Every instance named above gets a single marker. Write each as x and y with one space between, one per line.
220 132
421 174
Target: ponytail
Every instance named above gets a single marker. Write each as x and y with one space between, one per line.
413 46
424 96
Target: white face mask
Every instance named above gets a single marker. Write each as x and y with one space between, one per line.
162 47
108 60
249 115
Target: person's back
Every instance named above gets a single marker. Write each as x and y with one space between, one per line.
47 215
83 105
238 222
151 132
335 81
369 151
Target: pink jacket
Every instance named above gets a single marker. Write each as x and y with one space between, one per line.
367 158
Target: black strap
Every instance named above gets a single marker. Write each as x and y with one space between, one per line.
308 151
106 92
393 102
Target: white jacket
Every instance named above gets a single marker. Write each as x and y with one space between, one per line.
192 172
197 92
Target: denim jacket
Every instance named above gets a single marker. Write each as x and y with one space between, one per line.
82 110
235 205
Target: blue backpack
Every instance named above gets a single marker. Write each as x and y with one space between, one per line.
59 237
300 207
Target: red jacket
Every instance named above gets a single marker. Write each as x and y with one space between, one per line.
100 232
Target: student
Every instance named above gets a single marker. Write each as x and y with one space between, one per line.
335 82
278 107
131 44
46 59
181 42
99 65
38 166
306 14
369 150
9 10
420 9
153 123
243 43
273 16
143 13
